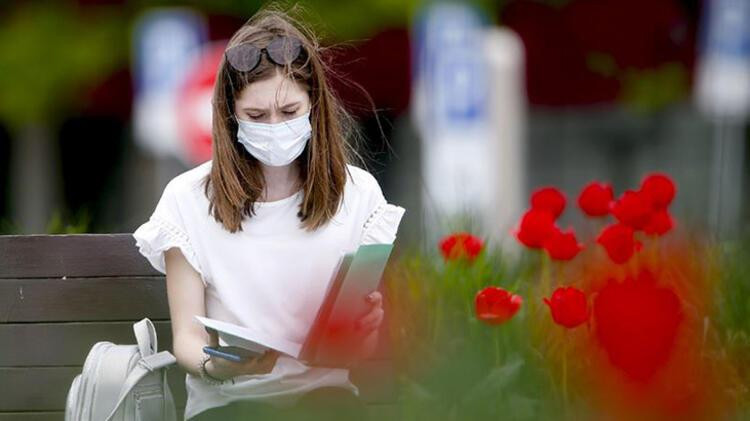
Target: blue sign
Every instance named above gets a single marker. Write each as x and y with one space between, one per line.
450 65
723 87
165 43
728 30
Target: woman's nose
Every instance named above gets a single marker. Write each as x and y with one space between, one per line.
276 117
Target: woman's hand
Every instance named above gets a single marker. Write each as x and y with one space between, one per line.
368 324
371 321
221 368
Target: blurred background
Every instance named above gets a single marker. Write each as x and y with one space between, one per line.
476 103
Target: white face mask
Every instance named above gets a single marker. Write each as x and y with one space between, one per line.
275 144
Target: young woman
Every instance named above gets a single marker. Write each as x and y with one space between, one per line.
253 235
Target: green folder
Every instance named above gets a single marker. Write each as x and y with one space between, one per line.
331 338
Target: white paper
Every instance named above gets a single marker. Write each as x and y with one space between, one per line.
244 337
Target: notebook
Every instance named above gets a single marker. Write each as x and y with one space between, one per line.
332 336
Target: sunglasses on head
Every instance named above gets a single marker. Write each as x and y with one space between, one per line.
282 50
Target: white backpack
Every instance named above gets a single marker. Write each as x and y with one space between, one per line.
123 382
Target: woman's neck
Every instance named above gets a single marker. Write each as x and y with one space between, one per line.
281 182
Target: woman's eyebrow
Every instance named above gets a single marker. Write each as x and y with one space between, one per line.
256 109
291 104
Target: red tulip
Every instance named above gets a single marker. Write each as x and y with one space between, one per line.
549 199
659 190
536 226
460 245
618 241
595 199
637 322
633 209
495 305
659 224
562 245
568 306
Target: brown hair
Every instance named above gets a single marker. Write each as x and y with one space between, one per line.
236 181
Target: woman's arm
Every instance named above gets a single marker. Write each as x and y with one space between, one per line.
186 296
186 299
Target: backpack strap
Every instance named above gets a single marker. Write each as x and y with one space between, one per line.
145 335
145 366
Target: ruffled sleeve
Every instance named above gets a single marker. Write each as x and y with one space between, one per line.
382 225
165 229
383 218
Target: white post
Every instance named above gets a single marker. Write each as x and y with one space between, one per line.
507 147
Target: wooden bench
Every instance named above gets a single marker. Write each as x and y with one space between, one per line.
60 294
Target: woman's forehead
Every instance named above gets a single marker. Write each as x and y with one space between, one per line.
272 92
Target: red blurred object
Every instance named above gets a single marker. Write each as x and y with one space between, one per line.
579 51
495 305
659 190
633 209
113 96
619 242
660 223
460 245
536 226
595 199
550 199
194 103
381 65
650 355
636 322
568 306
562 245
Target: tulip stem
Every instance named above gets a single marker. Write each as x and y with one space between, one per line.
497 346
436 321
545 274
565 374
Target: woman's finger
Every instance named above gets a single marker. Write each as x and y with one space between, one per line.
213 337
375 298
263 362
270 361
373 318
368 329
249 365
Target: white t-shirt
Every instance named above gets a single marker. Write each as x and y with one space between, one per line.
271 276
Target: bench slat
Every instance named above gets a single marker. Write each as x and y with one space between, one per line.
374 411
32 416
73 255
31 342
45 388
83 299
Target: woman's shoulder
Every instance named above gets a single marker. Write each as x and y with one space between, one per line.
361 179
363 188
189 181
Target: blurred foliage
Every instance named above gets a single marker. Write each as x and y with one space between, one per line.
61 223
8 227
644 90
451 366
49 53
733 303
652 89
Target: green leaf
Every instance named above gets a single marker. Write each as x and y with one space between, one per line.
492 386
